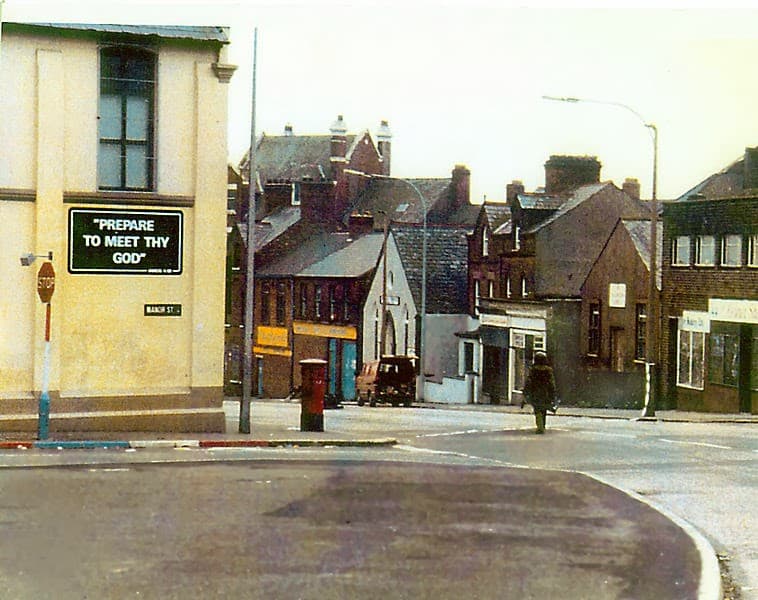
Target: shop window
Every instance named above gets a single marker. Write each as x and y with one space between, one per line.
280 303
640 340
691 355
126 119
731 250
593 332
706 251
752 259
681 251
724 359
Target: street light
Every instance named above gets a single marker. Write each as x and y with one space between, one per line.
422 332
652 301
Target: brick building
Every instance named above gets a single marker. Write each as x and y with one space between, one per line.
709 339
528 296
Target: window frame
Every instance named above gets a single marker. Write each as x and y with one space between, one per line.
594 329
691 382
725 250
265 303
752 258
117 86
679 243
699 250
281 303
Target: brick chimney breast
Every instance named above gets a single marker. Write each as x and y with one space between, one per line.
631 187
384 138
339 139
566 173
512 190
462 185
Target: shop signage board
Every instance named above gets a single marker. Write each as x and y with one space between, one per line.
125 242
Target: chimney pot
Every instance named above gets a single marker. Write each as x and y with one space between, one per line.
288 129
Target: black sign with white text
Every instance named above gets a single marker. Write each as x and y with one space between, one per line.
125 242
163 310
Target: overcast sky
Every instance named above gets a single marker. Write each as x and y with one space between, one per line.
462 82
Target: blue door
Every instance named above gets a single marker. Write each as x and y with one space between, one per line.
332 389
348 370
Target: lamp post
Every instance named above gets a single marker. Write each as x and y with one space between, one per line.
247 367
652 300
422 328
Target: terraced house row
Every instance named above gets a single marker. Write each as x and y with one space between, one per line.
564 268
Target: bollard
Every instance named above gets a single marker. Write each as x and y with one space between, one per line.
313 376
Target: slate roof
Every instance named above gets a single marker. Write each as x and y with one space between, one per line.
639 231
292 157
446 266
569 241
398 201
303 245
354 259
179 32
497 213
578 196
272 226
540 201
727 182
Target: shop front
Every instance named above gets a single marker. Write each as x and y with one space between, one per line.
337 345
717 357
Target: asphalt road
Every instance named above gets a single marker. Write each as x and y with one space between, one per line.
703 473
324 530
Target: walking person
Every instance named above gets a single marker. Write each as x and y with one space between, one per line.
539 390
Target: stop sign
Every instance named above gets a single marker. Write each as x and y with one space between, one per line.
46 282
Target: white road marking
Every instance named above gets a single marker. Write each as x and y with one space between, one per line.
705 444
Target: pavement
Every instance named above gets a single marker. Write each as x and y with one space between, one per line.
273 432
276 433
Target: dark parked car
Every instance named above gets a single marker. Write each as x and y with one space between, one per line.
391 379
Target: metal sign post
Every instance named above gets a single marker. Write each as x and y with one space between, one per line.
45 289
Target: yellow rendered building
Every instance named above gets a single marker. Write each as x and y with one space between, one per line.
113 158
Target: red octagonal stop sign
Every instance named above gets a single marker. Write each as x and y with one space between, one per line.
46 282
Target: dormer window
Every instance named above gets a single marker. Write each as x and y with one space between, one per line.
486 241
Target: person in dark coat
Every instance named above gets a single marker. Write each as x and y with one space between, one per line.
539 390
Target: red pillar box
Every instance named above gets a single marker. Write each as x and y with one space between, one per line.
313 377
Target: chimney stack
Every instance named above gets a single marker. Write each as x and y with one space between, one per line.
338 148
383 138
360 224
564 174
631 187
512 190
461 186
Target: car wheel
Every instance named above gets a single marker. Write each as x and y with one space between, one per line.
371 400
361 401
